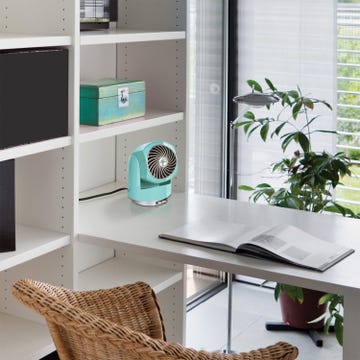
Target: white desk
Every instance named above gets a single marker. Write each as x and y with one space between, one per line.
117 223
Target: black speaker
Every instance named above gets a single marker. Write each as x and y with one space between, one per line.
7 205
33 95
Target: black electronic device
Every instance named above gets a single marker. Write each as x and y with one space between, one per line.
33 95
7 205
97 14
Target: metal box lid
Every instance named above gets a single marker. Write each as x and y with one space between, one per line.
101 88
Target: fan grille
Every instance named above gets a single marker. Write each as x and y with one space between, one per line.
161 161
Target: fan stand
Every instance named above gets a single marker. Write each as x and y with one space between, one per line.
313 333
150 203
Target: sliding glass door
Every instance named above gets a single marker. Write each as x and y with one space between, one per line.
314 44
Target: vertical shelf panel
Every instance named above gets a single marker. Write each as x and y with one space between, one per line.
54 268
23 339
25 334
98 61
55 17
44 192
164 76
158 15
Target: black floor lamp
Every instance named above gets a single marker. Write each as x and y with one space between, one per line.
252 99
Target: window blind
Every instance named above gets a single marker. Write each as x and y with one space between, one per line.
348 125
206 96
291 43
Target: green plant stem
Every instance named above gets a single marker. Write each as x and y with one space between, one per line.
307 126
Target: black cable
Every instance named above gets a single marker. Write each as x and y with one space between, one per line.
102 194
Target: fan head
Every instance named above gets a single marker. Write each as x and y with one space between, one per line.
151 168
161 161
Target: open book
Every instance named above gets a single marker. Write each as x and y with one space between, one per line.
283 243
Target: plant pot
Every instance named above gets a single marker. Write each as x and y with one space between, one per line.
299 315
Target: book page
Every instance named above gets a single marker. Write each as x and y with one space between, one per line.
215 234
281 242
300 247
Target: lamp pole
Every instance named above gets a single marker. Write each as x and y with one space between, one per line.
229 181
230 115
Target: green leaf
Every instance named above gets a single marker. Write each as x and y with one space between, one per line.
247 127
339 209
293 203
340 166
245 188
339 329
264 131
263 186
278 129
295 293
334 303
255 85
270 85
287 140
326 104
327 325
265 193
296 109
253 129
245 124
303 141
325 131
308 103
277 291
294 94
249 115
326 298
286 100
242 123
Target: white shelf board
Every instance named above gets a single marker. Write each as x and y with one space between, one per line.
20 41
121 271
34 148
114 36
23 339
32 242
152 118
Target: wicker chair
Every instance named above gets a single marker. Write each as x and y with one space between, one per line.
119 323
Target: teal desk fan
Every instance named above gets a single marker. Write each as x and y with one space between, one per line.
150 170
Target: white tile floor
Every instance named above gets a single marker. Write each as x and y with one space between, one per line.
252 307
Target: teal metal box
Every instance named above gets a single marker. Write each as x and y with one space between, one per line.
105 101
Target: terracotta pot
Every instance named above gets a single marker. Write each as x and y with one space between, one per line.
298 315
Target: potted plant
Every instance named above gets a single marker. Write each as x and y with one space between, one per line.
309 179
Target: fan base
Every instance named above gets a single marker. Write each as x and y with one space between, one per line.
151 203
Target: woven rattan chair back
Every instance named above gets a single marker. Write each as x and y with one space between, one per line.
115 324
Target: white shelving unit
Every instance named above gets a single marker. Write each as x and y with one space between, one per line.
151 119
32 242
24 41
149 43
107 273
35 148
118 36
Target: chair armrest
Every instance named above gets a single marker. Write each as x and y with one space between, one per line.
278 351
134 306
